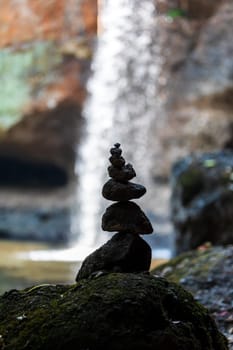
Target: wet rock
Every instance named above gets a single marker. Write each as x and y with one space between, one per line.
202 200
113 311
207 273
124 174
126 217
116 191
124 252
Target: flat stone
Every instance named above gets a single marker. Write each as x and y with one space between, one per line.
117 191
117 161
124 174
126 217
124 252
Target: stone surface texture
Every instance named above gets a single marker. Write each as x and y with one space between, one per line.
112 311
202 200
207 273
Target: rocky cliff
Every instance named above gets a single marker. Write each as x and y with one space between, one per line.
45 53
196 79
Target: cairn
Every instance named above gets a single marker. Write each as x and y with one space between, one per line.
126 251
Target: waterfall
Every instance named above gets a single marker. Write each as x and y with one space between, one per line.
120 107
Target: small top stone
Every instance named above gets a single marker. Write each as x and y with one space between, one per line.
116 150
117 145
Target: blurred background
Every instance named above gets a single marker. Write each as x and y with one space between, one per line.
77 76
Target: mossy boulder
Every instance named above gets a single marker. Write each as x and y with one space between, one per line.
109 311
207 273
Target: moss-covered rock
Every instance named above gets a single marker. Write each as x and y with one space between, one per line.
207 273
202 199
109 311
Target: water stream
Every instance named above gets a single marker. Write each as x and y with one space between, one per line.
122 104
120 107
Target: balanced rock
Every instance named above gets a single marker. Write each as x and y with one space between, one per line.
126 217
116 150
124 174
117 161
124 252
117 191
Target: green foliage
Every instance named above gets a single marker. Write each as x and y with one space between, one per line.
174 13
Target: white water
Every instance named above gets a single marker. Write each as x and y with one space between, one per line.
121 106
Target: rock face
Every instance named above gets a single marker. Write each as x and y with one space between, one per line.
114 311
207 273
196 79
202 200
126 251
45 59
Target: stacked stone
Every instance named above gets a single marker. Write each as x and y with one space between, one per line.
126 251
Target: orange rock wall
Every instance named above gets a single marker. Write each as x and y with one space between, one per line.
22 21
46 49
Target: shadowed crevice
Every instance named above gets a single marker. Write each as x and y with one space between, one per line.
18 172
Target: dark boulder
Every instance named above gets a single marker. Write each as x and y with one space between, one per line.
124 252
207 273
126 217
202 200
117 191
115 311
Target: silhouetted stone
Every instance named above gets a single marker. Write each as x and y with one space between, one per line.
126 217
117 191
124 174
118 162
124 252
116 151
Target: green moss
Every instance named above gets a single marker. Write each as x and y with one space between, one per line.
114 311
191 182
20 72
195 263
176 13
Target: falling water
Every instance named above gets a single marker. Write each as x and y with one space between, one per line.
121 105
